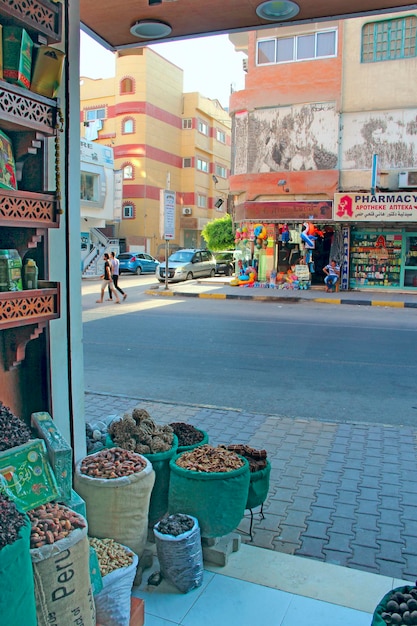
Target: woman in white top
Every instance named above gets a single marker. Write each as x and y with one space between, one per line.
115 276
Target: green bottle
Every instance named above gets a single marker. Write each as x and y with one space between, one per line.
10 271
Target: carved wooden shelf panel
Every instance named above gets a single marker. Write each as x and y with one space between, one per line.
15 341
32 306
29 209
38 17
23 110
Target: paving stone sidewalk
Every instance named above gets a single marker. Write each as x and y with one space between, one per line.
339 493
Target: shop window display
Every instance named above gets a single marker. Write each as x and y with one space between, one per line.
375 259
410 270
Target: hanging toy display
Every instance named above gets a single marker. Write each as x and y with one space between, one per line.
309 261
260 236
285 234
241 235
259 231
309 234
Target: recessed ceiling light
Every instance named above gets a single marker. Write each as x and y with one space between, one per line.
150 29
277 10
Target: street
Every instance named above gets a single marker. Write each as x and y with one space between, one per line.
303 360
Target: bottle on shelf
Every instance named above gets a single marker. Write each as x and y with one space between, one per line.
30 275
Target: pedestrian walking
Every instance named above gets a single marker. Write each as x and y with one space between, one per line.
115 273
107 280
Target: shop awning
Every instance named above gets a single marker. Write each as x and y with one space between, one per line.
319 210
110 22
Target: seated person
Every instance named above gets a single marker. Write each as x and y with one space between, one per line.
332 271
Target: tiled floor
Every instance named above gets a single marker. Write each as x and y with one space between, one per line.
270 588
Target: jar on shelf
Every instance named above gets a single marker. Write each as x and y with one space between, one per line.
10 271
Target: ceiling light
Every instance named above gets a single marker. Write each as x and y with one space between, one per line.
150 29
277 10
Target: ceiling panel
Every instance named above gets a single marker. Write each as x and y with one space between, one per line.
110 21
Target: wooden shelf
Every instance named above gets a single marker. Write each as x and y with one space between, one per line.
28 209
26 214
31 306
41 18
23 110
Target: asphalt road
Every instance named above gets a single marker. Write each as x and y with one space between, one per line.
303 360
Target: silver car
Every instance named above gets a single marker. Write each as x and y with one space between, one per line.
187 264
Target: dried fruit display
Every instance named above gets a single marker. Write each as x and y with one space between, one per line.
175 524
13 430
11 521
111 555
138 432
112 463
401 607
256 458
187 434
209 459
52 522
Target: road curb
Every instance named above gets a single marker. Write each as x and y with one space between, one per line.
288 299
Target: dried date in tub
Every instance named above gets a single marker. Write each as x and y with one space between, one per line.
112 463
116 485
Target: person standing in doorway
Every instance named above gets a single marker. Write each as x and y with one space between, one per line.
115 270
107 280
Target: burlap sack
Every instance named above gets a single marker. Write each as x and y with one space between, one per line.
62 581
118 508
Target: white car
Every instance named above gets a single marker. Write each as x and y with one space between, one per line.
187 264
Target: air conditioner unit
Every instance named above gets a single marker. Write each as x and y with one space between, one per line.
407 179
187 211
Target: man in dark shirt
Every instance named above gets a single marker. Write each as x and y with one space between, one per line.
107 280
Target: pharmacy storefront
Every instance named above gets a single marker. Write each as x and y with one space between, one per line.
382 234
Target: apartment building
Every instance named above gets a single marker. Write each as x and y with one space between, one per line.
325 132
162 138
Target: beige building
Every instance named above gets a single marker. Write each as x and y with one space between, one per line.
325 131
162 139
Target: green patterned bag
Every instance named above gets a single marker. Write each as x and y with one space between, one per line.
17 598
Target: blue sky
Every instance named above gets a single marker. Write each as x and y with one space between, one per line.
210 64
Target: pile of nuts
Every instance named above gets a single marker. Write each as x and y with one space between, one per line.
52 522
13 430
209 459
187 434
138 432
110 554
256 458
11 521
112 463
401 608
